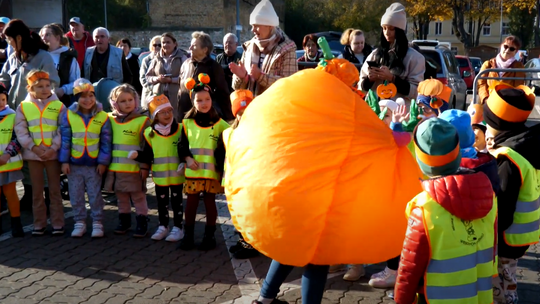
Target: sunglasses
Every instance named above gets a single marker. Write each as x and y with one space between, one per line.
511 48
156 45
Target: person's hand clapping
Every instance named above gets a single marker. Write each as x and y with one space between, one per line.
238 69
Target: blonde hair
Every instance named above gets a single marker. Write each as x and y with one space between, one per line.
348 35
32 74
123 88
153 41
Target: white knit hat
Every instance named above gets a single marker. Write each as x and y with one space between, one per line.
392 105
395 16
264 14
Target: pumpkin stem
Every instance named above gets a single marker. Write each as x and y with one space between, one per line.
386 82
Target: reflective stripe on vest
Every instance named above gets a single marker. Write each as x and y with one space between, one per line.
525 229
85 137
226 138
462 264
6 133
202 144
166 160
42 125
126 137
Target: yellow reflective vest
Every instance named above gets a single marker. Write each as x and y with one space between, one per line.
462 264
226 138
525 229
202 144
166 160
85 137
6 133
126 137
42 124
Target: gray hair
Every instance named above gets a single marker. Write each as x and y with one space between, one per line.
101 29
230 35
206 41
153 40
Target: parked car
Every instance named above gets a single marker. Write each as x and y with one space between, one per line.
535 83
333 40
218 49
300 53
447 71
476 63
138 50
466 70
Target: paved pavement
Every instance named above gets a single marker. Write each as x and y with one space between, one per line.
121 269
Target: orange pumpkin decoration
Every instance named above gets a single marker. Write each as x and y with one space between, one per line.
430 87
436 103
386 90
190 84
204 78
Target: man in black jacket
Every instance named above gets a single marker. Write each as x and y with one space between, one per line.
516 148
230 54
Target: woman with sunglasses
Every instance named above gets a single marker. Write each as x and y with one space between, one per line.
506 59
145 59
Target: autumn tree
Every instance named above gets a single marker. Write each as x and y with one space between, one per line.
121 14
521 24
423 12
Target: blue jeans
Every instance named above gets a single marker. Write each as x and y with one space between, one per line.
313 281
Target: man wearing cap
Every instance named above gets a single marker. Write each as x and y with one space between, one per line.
105 60
80 39
269 56
516 148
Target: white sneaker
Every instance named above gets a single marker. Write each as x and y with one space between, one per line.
383 279
79 230
355 272
97 230
176 235
160 233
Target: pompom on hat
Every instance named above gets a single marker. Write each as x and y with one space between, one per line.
240 99
508 107
395 16
436 143
82 85
158 103
264 14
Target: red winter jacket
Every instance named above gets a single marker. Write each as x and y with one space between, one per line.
81 46
467 196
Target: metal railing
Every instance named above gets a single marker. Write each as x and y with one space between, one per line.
526 78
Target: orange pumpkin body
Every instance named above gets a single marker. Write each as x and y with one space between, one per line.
313 172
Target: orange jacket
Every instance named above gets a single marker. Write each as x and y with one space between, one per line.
483 84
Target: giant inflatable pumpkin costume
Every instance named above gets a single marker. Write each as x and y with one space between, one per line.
314 172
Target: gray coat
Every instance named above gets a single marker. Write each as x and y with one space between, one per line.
14 72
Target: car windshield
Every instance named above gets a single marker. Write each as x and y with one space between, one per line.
463 62
476 63
434 58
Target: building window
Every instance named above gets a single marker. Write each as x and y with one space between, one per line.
438 28
486 29
505 29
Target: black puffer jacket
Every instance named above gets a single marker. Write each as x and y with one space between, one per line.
348 54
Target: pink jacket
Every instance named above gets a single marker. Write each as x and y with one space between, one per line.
23 134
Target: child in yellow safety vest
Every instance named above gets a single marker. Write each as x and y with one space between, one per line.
126 177
85 155
240 99
36 126
202 127
10 164
449 250
516 148
161 150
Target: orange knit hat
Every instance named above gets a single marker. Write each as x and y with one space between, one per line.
240 99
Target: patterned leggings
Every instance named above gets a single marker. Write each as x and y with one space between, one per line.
505 285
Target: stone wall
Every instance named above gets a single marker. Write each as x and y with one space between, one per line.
140 38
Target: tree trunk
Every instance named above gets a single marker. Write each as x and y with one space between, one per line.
459 26
537 25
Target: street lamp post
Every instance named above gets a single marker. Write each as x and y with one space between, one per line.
501 21
238 19
105 8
